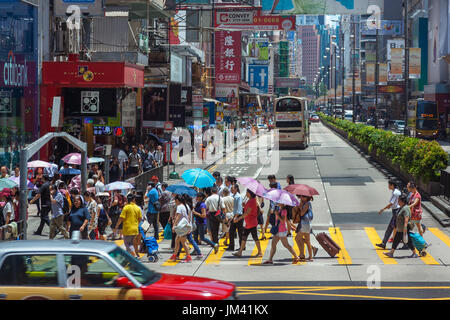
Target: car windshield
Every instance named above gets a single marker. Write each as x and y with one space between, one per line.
132 266
400 123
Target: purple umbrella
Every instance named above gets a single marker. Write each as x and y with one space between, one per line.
281 196
17 180
253 185
73 158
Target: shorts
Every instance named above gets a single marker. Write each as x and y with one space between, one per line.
305 228
251 231
260 219
282 234
129 242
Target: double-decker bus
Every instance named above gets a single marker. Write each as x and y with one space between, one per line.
423 119
291 122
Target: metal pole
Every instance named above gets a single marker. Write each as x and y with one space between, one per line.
83 171
335 76
342 37
376 79
406 73
107 169
354 70
23 205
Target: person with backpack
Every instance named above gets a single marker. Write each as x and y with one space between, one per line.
154 206
304 213
279 231
57 220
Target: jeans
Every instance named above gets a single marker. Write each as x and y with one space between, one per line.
215 225
391 226
239 226
44 219
200 232
194 244
57 225
153 220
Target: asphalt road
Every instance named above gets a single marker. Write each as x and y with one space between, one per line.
352 192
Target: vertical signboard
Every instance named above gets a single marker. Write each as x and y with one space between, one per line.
228 56
382 73
284 59
414 63
258 77
396 70
370 73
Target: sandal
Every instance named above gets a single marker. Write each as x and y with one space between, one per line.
258 255
268 262
310 259
302 259
263 238
296 260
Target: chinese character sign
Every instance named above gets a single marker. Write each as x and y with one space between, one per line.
228 56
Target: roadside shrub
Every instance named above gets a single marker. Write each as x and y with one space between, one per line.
419 158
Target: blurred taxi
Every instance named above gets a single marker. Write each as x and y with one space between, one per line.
93 270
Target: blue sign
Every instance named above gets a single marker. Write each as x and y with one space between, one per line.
259 77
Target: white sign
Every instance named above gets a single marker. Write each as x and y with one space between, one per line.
226 91
129 111
56 112
235 17
393 44
176 69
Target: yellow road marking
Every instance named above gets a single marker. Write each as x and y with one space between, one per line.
215 258
374 238
428 259
182 255
343 256
442 236
161 236
263 243
212 168
297 249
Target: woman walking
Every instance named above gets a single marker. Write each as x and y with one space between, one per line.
250 217
415 204
282 224
402 228
180 241
103 218
79 218
304 227
199 213
188 202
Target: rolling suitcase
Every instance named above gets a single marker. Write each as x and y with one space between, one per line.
328 244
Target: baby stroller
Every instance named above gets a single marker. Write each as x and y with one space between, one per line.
150 244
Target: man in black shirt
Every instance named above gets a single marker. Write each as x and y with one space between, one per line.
44 195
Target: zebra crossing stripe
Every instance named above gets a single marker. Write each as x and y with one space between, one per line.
343 256
374 238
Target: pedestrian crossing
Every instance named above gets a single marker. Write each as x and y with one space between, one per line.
357 247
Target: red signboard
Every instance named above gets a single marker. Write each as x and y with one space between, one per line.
93 74
228 56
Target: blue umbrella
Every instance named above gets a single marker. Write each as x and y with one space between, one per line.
182 189
198 178
158 139
70 171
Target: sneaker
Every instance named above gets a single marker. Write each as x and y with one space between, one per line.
315 251
391 240
216 248
187 259
414 255
381 245
405 247
388 254
173 258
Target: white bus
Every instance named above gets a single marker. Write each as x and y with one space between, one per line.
291 122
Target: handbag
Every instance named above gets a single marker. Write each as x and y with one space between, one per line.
274 229
220 215
183 227
145 226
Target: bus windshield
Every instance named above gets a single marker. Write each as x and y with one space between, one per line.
426 110
425 124
288 105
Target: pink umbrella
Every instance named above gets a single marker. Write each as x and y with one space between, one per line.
253 185
38 164
281 196
73 158
302 190
75 183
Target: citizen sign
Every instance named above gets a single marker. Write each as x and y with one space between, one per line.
14 74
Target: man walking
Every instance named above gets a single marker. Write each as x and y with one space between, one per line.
131 216
393 204
153 207
159 156
237 212
44 195
135 163
57 221
212 204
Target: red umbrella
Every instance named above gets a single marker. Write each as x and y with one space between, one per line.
301 190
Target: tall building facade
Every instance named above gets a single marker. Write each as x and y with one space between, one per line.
310 51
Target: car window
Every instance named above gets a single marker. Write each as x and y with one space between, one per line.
94 272
29 270
134 267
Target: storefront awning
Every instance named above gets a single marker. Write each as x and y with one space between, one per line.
80 74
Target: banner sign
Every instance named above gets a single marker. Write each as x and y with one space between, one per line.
287 83
252 20
370 73
382 73
228 56
332 7
414 63
396 70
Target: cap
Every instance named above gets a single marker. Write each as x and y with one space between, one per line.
155 178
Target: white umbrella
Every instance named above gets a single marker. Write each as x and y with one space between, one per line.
95 160
39 164
118 185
